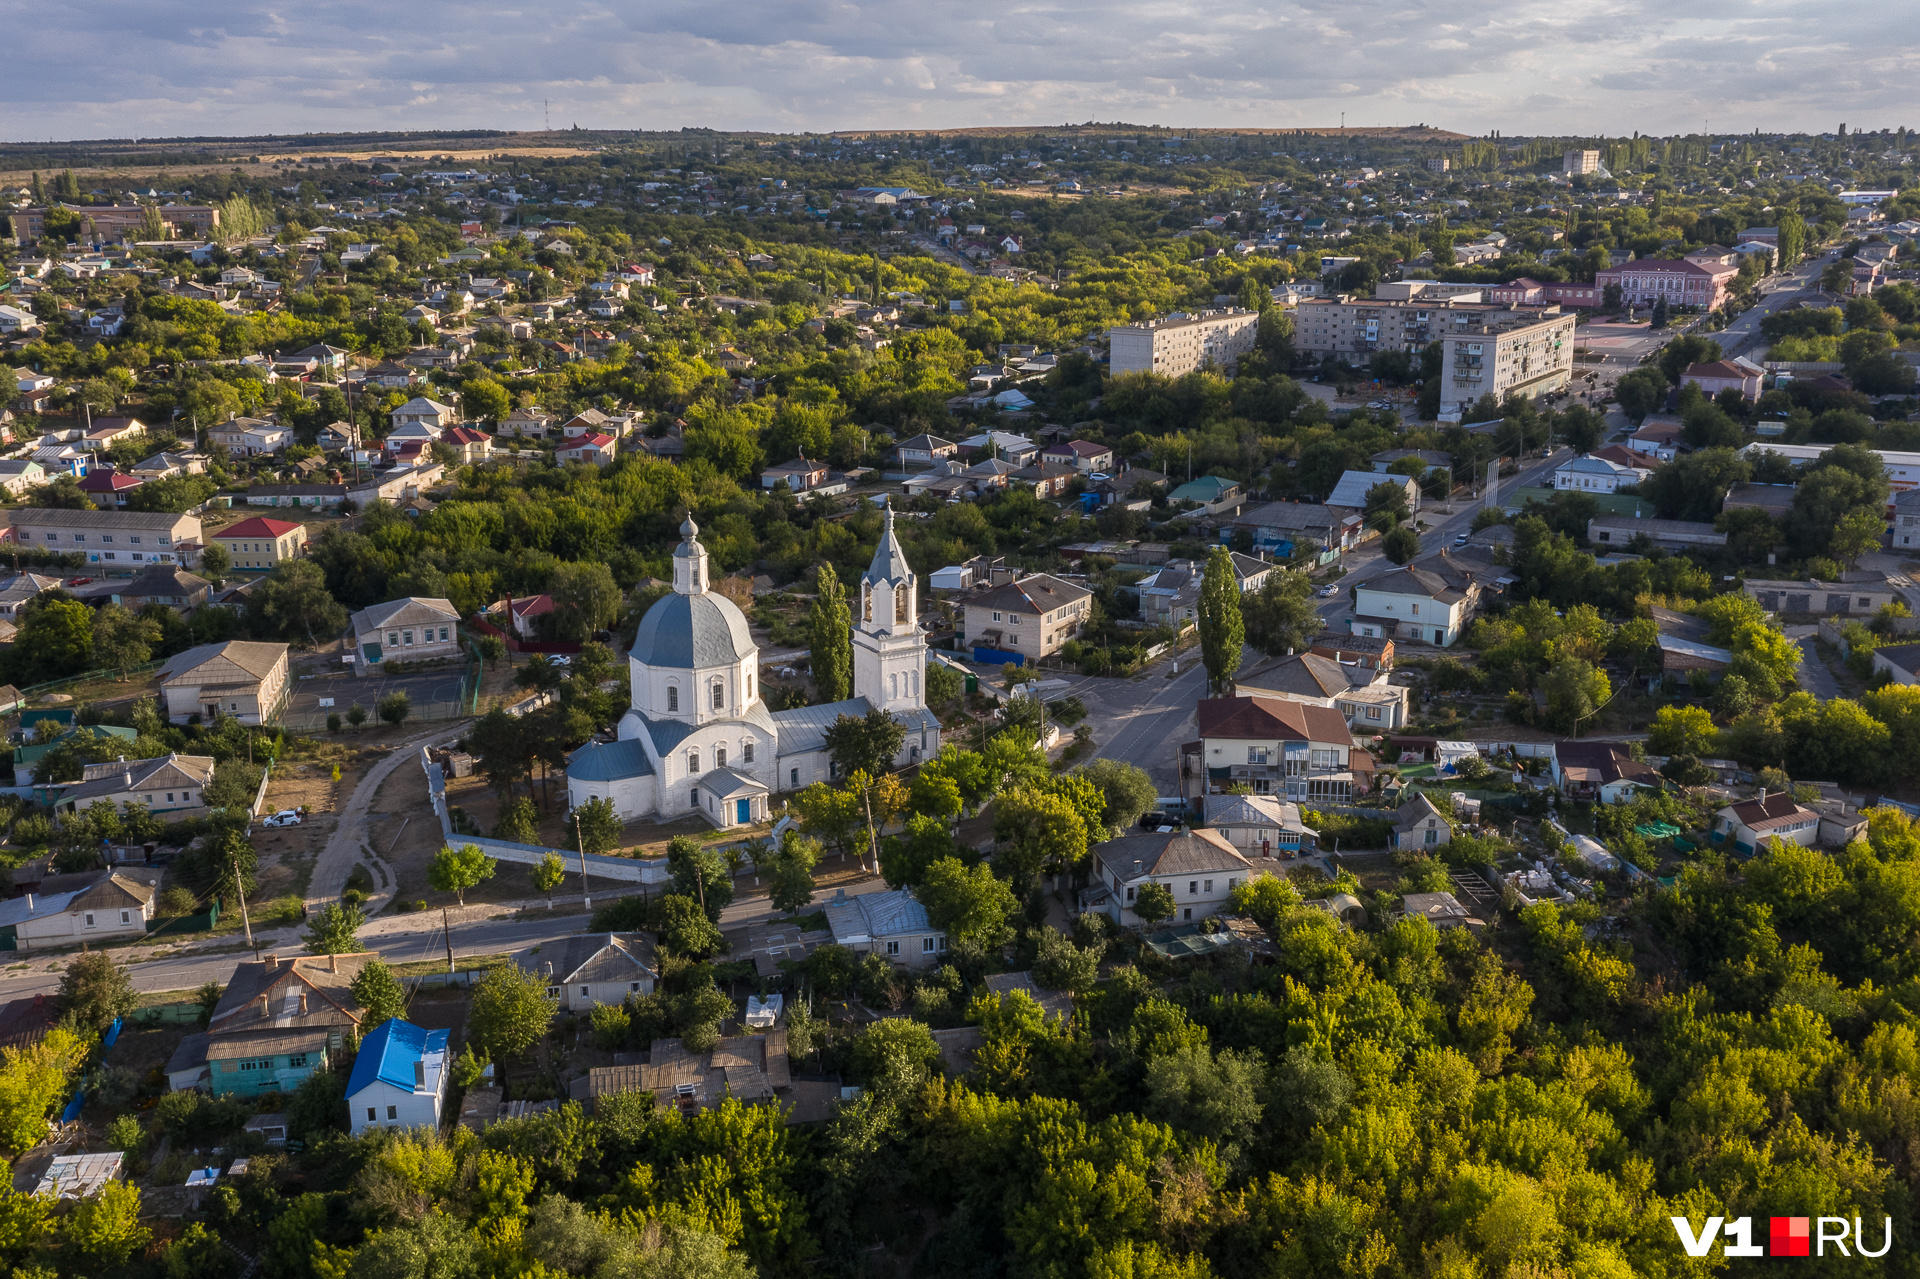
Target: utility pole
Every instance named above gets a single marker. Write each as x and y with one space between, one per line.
873 837
446 930
241 892
586 898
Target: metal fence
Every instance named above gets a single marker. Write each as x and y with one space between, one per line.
466 706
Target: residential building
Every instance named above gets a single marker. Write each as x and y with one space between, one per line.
1725 375
1429 601
397 485
259 543
1856 594
18 589
1382 462
1747 826
1618 530
1262 826
1363 695
424 412
1214 492
1525 292
522 614
531 423
799 475
1351 490
1657 439
107 488
1274 747
318 497
117 538
1178 344
924 450
277 1023
586 971
413 629
1574 164
1026 619
250 436
163 465
1517 353
1015 450
1589 474
1600 771
118 221
1198 866
175 588
1082 455
1645 281
473 446
241 678
167 785
1420 824
892 924
17 475
399 1078
109 431
1344 325
1278 527
1369 652
595 448
113 906
749 1069
1047 479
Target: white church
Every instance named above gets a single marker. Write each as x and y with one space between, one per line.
699 738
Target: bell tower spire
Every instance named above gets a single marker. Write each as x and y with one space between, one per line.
690 561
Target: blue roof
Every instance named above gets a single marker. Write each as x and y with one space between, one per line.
691 632
389 1052
609 762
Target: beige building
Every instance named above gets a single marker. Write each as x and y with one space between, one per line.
169 786
111 539
1178 344
1518 353
117 905
397 485
1199 866
412 629
1346 325
1031 616
595 968
241 678
260 543
1575 163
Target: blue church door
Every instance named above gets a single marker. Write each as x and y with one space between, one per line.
743 811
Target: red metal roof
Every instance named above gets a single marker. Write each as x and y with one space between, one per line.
258 526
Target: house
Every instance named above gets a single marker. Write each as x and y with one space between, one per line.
175 588
1082 455
107 488
1725 375
1350 492
1601 771
423 411
924 450
324 356
1854 594
1278 527
1024 620
1047 479
1747 826
1899 662
241 678
522 614
164 465
17 475
1371 652
1429 601
108 431
167 785
312 496
1199 866
531 423
1212 492
135 538
1360 693
415 628
411 436
399 1078
17 589
1442 910
1660 441
1618 530
1274 746
474 446
397 485
1382 462
1420 824
890 924
259 543
586 971
1260 825
115 905
799 475
250 436
1008 447
595 448
1590 474
752 1069
277 1023
393 375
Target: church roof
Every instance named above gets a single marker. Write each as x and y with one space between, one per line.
889 561
804 728
665 734
609 762
690 632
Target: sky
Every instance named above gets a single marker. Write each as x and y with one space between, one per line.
165 68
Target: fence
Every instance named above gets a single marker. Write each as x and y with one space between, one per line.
185 1012
517 645
464 707
51 685
199 923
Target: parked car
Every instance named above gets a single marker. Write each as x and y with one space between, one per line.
1329 591
285 817
1461 540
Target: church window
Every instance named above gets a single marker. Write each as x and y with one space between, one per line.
915 677
866 594
673 697
896 686
719 696
900 602
746 751
693 761
719 757
749 685
693 799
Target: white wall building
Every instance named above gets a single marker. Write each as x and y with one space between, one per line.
1178 344
399 1078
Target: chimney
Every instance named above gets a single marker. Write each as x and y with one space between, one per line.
271 958
266 1009
303 1003
333 963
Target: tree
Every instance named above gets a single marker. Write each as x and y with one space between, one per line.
456 870
1857 533
1658 320
105 1228
1280 616
831 623
1401 544
1153 903
122 639
1575 691
1682 730
498 742
484 398
1036 832
1640 392
829 814
791 885
585 599
33 1079
1223 632
701 873
510 1011
967 903
1125 789
519 822
55 640
293 600
335 930
1751 532
596 827
95 991
904 858
867 745
1212 1095
356 715
215 563
684 928
395 707
379 992
547 874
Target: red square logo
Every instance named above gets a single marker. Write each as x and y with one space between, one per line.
1788 1236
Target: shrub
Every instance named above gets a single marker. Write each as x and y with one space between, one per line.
611 1025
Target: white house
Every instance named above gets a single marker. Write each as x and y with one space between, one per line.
399 1079
1260 825
115 906
412 629
1430 602
1589 474
591 969
892 924
429 412
1199 866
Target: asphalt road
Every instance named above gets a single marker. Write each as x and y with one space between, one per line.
1780 292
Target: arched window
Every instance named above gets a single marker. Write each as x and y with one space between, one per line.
719 696
673 697
895 686
719 757
915 677
749 686
866 593
900 602
693 761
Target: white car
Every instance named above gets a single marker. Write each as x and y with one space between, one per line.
285 817
1328 592
1461 540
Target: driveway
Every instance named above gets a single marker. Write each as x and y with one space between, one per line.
1814 675
348 843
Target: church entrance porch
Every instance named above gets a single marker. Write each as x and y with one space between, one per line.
729 799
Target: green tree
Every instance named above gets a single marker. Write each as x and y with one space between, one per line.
485 399
394 707
456 870
967 903
1153 903
356 715
510 1011
700 872
105 1228
1280 616
215 563
1682 730
1857 533
1575 691
1223 632
122 639
1125 790
596 827
519 822
684 928
55 640
1400 544
868 744
791 884
293 601
335 930
547 875
585 599
95 991
33 1079
1037 833
831 624
379 992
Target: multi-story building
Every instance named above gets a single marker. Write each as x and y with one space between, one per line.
110 539
260 543
1027 619
1645 281
110 221
1346 325
1273 747
1575 163
1178 344
1514 353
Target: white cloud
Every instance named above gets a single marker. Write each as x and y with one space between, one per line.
224 67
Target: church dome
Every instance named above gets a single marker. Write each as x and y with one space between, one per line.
692 632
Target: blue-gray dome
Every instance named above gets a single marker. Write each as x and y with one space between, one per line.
693 631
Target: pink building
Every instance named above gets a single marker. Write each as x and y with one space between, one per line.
1723 375
1644 281
1525 292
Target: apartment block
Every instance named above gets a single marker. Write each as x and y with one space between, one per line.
129 540
1575 163
1518 353
114 220
1178 344
1347 325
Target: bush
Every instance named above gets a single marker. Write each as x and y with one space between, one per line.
1351 831
125 1133
611 1025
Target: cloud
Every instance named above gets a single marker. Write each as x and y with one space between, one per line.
168 68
